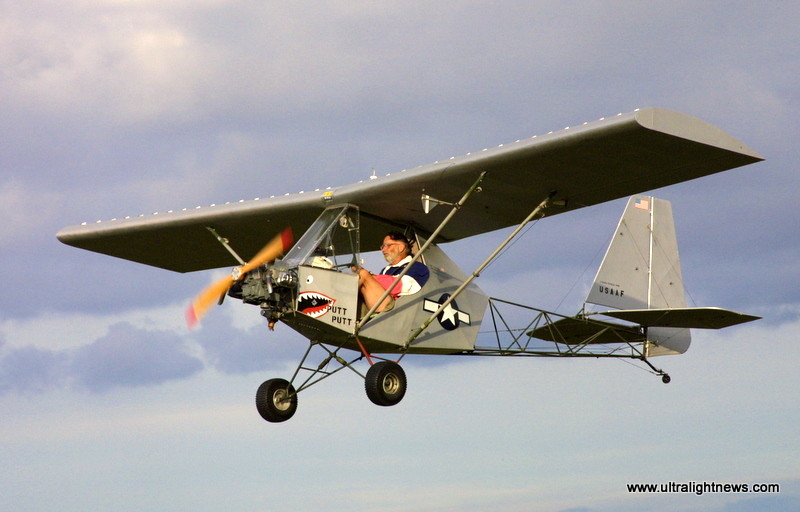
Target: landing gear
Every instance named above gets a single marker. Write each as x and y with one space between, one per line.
276 400
385 383
665 378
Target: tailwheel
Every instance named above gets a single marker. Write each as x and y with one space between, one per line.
666 379
276 400
385 383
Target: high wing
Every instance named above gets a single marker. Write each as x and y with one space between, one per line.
585 165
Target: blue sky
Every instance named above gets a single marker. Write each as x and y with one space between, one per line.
115 108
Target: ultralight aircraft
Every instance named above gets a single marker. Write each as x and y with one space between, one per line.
309 285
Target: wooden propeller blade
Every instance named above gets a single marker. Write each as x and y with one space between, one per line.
272 250
200 306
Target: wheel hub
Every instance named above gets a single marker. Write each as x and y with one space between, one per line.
281 400
391 384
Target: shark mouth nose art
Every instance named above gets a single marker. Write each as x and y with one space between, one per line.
314 304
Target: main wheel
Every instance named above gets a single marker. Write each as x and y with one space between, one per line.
276 400
385 383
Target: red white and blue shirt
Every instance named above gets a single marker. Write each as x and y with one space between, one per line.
414 280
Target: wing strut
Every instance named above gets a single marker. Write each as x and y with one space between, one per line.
456 207
536 211
225 243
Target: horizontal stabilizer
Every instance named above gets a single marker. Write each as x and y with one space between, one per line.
580 331
691 318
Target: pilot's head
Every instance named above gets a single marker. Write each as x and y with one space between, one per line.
395 247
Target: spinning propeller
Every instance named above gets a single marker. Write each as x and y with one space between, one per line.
203 302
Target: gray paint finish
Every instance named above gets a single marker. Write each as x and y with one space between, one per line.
587 165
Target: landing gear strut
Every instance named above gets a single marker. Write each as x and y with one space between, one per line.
384 382
665 378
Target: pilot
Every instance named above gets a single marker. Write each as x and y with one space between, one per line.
396 249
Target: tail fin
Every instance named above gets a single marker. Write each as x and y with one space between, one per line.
642 270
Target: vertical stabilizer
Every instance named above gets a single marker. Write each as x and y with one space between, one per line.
642 270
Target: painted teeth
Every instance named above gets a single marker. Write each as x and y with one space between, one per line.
314 304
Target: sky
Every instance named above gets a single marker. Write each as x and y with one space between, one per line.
122 107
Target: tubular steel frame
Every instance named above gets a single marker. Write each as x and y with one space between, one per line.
509 342
519 343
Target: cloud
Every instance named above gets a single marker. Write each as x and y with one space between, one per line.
31 370
240 351
131 357
149 347
70 59
124 357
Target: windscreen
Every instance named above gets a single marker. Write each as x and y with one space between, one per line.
334 235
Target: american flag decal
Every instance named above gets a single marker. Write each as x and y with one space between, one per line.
642 204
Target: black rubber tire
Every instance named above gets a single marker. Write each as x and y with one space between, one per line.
276 400
666 379
385 383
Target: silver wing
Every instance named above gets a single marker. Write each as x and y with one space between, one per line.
586 165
